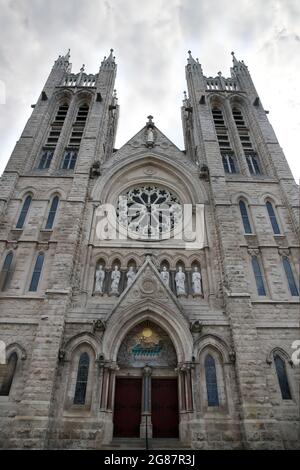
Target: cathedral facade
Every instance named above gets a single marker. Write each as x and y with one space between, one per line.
116 324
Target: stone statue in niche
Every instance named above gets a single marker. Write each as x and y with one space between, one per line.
180 282
165 276
150 137
99 279
131 274
196 282
115 281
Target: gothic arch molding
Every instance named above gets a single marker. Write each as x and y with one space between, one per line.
119 325
187 187
80 339
281 352
215 342
16 347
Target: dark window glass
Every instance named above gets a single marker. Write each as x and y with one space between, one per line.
36 273
228 163
82 379
245 218
232 164
24 212
52 212
282 378
253 165
290 276
45 160
9 373
258 276
211 381
69 159
225 164
6 272
273 219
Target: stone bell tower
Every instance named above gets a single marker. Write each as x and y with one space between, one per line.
70 132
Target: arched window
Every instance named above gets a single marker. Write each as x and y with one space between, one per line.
24 212
245 217
290 276
282 377
258 276
37 272
7 271
228 158
272 217
9 373
52 213
245 139
53 136
82 379
70 155
211 381
228 163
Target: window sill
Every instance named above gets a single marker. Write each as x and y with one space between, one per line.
4 398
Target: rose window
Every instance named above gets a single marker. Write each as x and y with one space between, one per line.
149 212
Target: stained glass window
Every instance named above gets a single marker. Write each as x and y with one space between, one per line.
282 378
211 381
151 212
52 213
6 272
36 273
24 212
290 276
258 276
245 217
82 379
272 217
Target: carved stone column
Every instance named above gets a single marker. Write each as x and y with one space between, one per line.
185 387
146 423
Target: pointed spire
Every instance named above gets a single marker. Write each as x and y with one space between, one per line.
235 62
191 59
111 58
109 61
68 55
238 63
63 60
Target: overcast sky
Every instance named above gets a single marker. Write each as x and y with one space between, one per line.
150 41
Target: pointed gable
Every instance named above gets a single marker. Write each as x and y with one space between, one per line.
146 286
140 143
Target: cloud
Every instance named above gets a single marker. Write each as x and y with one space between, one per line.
151 40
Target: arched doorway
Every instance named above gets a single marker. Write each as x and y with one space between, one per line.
146 386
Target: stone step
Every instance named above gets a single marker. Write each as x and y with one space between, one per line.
138 443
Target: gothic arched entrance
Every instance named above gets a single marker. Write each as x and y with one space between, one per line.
146 386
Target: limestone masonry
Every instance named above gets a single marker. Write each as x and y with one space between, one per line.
111 341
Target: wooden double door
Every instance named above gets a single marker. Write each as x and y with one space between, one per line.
128 407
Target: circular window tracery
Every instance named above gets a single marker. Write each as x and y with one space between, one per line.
149 212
